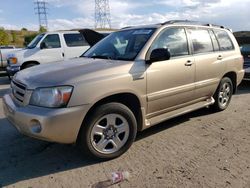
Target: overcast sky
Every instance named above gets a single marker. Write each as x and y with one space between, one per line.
68 14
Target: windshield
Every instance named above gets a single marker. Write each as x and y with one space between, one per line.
245 48
122 45
35 41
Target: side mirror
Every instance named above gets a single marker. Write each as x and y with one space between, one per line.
43 45
160 54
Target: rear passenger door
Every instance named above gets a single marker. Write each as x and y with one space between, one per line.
208 59
170 84
75 45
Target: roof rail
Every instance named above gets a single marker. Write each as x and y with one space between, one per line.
214 25
126 27
181 22
192 22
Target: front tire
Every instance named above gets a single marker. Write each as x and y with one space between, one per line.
223 94
108 132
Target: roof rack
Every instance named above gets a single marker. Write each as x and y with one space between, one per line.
191 22
126 27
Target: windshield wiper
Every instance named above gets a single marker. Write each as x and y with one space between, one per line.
100 57
123 59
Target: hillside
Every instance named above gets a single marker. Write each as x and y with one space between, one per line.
17 37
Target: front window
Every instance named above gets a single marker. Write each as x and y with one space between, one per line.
173 39
52 41
122 45
35 41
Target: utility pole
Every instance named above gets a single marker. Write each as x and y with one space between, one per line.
102 14
41 11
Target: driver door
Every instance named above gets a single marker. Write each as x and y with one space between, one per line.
52 49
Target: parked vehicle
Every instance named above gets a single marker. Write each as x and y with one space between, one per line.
131 80
7 47
243 39
51 47
4 51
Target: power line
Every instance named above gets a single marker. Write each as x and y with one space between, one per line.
41 11
102 14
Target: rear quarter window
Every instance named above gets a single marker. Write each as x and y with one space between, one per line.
75 40
224 40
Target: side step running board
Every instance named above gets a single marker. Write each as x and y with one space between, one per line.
163 117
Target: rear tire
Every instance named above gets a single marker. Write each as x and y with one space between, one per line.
108 132
223 94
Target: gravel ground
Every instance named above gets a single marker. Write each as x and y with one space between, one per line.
200 149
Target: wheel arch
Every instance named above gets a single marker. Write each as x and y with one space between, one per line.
233 76
28 62
128 99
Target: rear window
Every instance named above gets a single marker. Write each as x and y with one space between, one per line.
201 41
224 40
74 40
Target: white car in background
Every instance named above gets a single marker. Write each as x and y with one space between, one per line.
4 51
51 47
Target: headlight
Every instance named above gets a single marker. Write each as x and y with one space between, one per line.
54 97
13 60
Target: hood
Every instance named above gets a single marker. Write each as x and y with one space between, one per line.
11 52
19 53
67 72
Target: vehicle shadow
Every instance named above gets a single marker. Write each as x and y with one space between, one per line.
3 74
4 80
243 88
23 158
3 92
173 122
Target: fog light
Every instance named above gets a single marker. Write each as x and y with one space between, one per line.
36 126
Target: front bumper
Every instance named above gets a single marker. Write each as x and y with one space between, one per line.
11 70
55 125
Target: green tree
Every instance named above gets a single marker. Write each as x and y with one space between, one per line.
14 36
4 37
42 29
24 29
29 38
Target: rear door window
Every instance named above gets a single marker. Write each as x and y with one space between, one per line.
224 40
75 40
201 41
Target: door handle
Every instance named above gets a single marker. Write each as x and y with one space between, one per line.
63 54
189 63
219 57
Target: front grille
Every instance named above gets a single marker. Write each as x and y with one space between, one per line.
18 90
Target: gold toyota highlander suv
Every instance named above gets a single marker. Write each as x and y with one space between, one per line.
131 80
